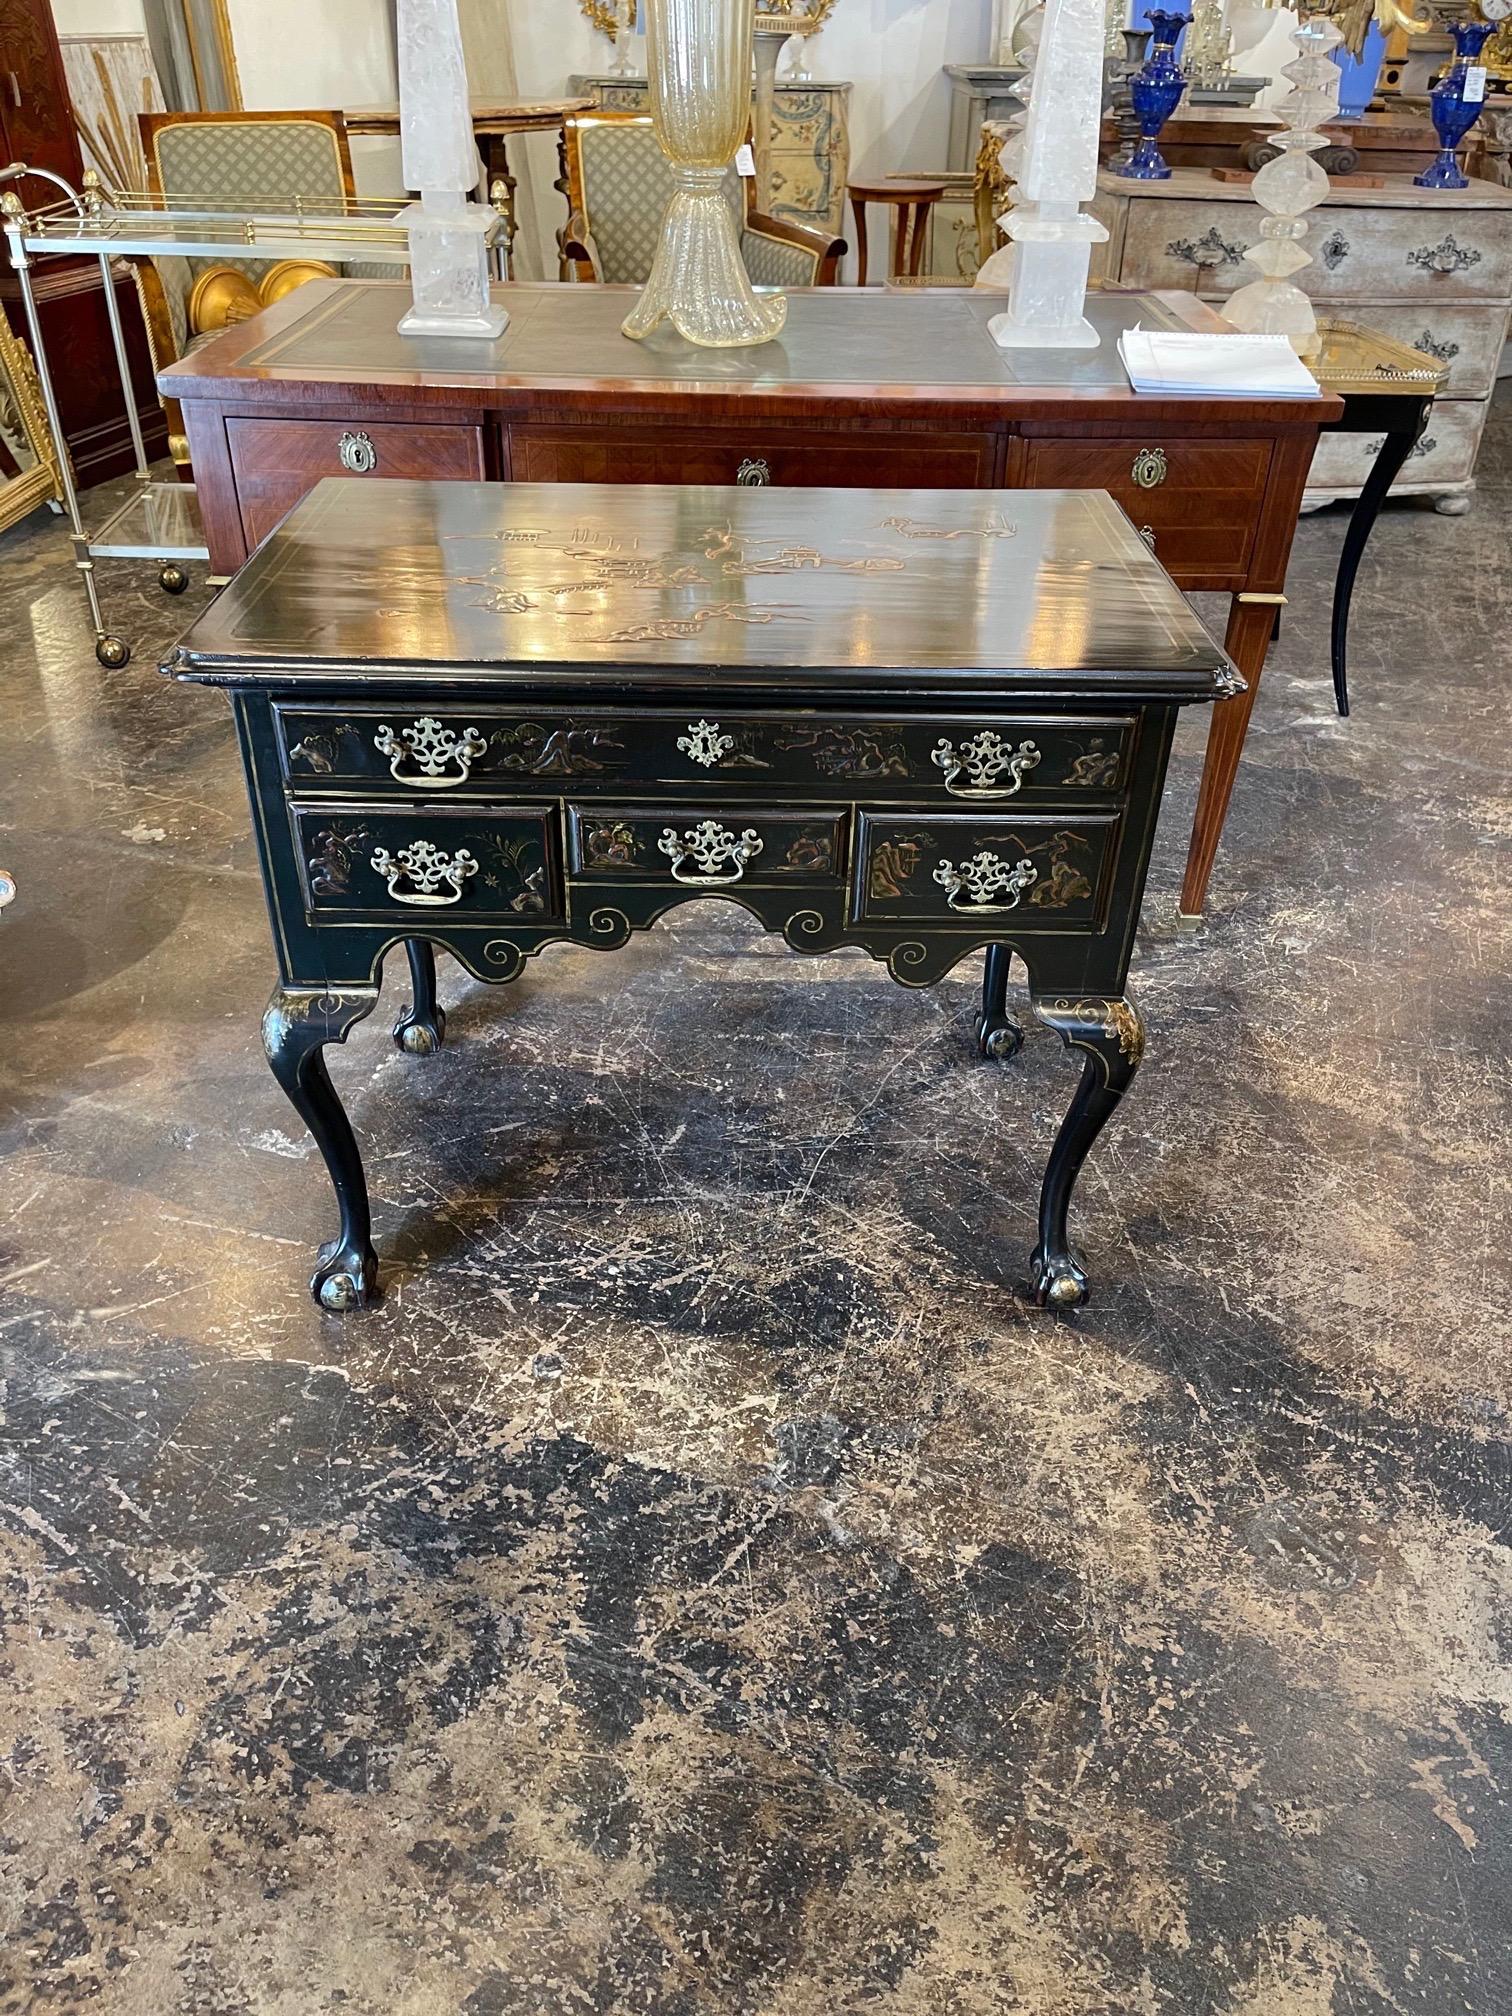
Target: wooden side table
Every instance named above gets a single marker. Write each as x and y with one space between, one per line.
911 203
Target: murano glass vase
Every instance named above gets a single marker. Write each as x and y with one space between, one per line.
698 64
1452 111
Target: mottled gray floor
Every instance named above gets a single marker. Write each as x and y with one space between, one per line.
707 1584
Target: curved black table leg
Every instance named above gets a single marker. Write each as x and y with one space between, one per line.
297 1024
1112 1034
421 1028
1398 444
998 1035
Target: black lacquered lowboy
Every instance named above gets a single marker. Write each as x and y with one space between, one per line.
493 717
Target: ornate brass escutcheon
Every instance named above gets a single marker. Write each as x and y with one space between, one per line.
983 760
433 749
711 846
426 869
754 473
704 743
357 453
1149 468
982 878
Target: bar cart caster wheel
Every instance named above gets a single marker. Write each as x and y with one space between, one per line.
344 1280
113 652
998 1041
1059 1284
173 580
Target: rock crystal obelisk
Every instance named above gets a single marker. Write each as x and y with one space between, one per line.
448 232
1054 165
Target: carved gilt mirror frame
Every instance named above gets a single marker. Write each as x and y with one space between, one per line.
601 13
28 466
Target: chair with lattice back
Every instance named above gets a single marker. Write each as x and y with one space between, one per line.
618 184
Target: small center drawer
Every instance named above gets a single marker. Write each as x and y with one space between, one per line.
705 845
423 752
1030 874
483 862
753 455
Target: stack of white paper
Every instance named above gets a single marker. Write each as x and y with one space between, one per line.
1236 367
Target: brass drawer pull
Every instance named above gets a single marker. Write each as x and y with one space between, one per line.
754 473
983 877
425 868
357 453
711 846
434 749
983 760
1149 470
704 743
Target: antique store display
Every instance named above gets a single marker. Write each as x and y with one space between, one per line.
1431 270
1053 166
933 724
1455 102
1154 93
867 388
698 59
1286 189
450 236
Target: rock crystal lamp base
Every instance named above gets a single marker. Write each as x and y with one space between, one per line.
698 280
449 271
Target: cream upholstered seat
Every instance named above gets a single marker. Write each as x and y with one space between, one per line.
618 185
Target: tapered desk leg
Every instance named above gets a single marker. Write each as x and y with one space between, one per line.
1398 444
296 1026
421 1028
1251 621
998 1034
1113 1036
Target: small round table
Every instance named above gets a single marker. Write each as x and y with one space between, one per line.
911 203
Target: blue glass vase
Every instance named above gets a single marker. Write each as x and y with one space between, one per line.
1453 115
1156 92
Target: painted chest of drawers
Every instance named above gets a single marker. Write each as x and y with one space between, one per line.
491 718
1431 268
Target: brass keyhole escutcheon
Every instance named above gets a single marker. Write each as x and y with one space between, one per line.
754 473
358 454
1149 470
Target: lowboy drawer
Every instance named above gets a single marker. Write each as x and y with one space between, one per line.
702 846
422 752
1199 498
464 862
1029 873
279 461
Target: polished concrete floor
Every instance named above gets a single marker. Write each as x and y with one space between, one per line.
706 1584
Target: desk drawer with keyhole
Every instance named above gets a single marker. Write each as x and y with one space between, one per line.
426 751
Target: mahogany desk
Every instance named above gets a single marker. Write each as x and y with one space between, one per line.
871 388
496 717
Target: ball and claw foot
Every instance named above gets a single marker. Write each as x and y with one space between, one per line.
344 1279
418 1035
998 1037
113 652
173 580
1060 1282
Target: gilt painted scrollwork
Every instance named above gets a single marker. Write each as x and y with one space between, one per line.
983 880
983 761
417 874
440 757
713 848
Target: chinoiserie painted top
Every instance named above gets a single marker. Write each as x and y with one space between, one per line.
599 587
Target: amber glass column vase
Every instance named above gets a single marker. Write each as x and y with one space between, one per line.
698 63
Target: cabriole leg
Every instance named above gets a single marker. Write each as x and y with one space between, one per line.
296 1026
998 1035
1112 1034
421 1028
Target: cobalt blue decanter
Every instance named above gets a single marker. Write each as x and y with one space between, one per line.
1453 113
1156 92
